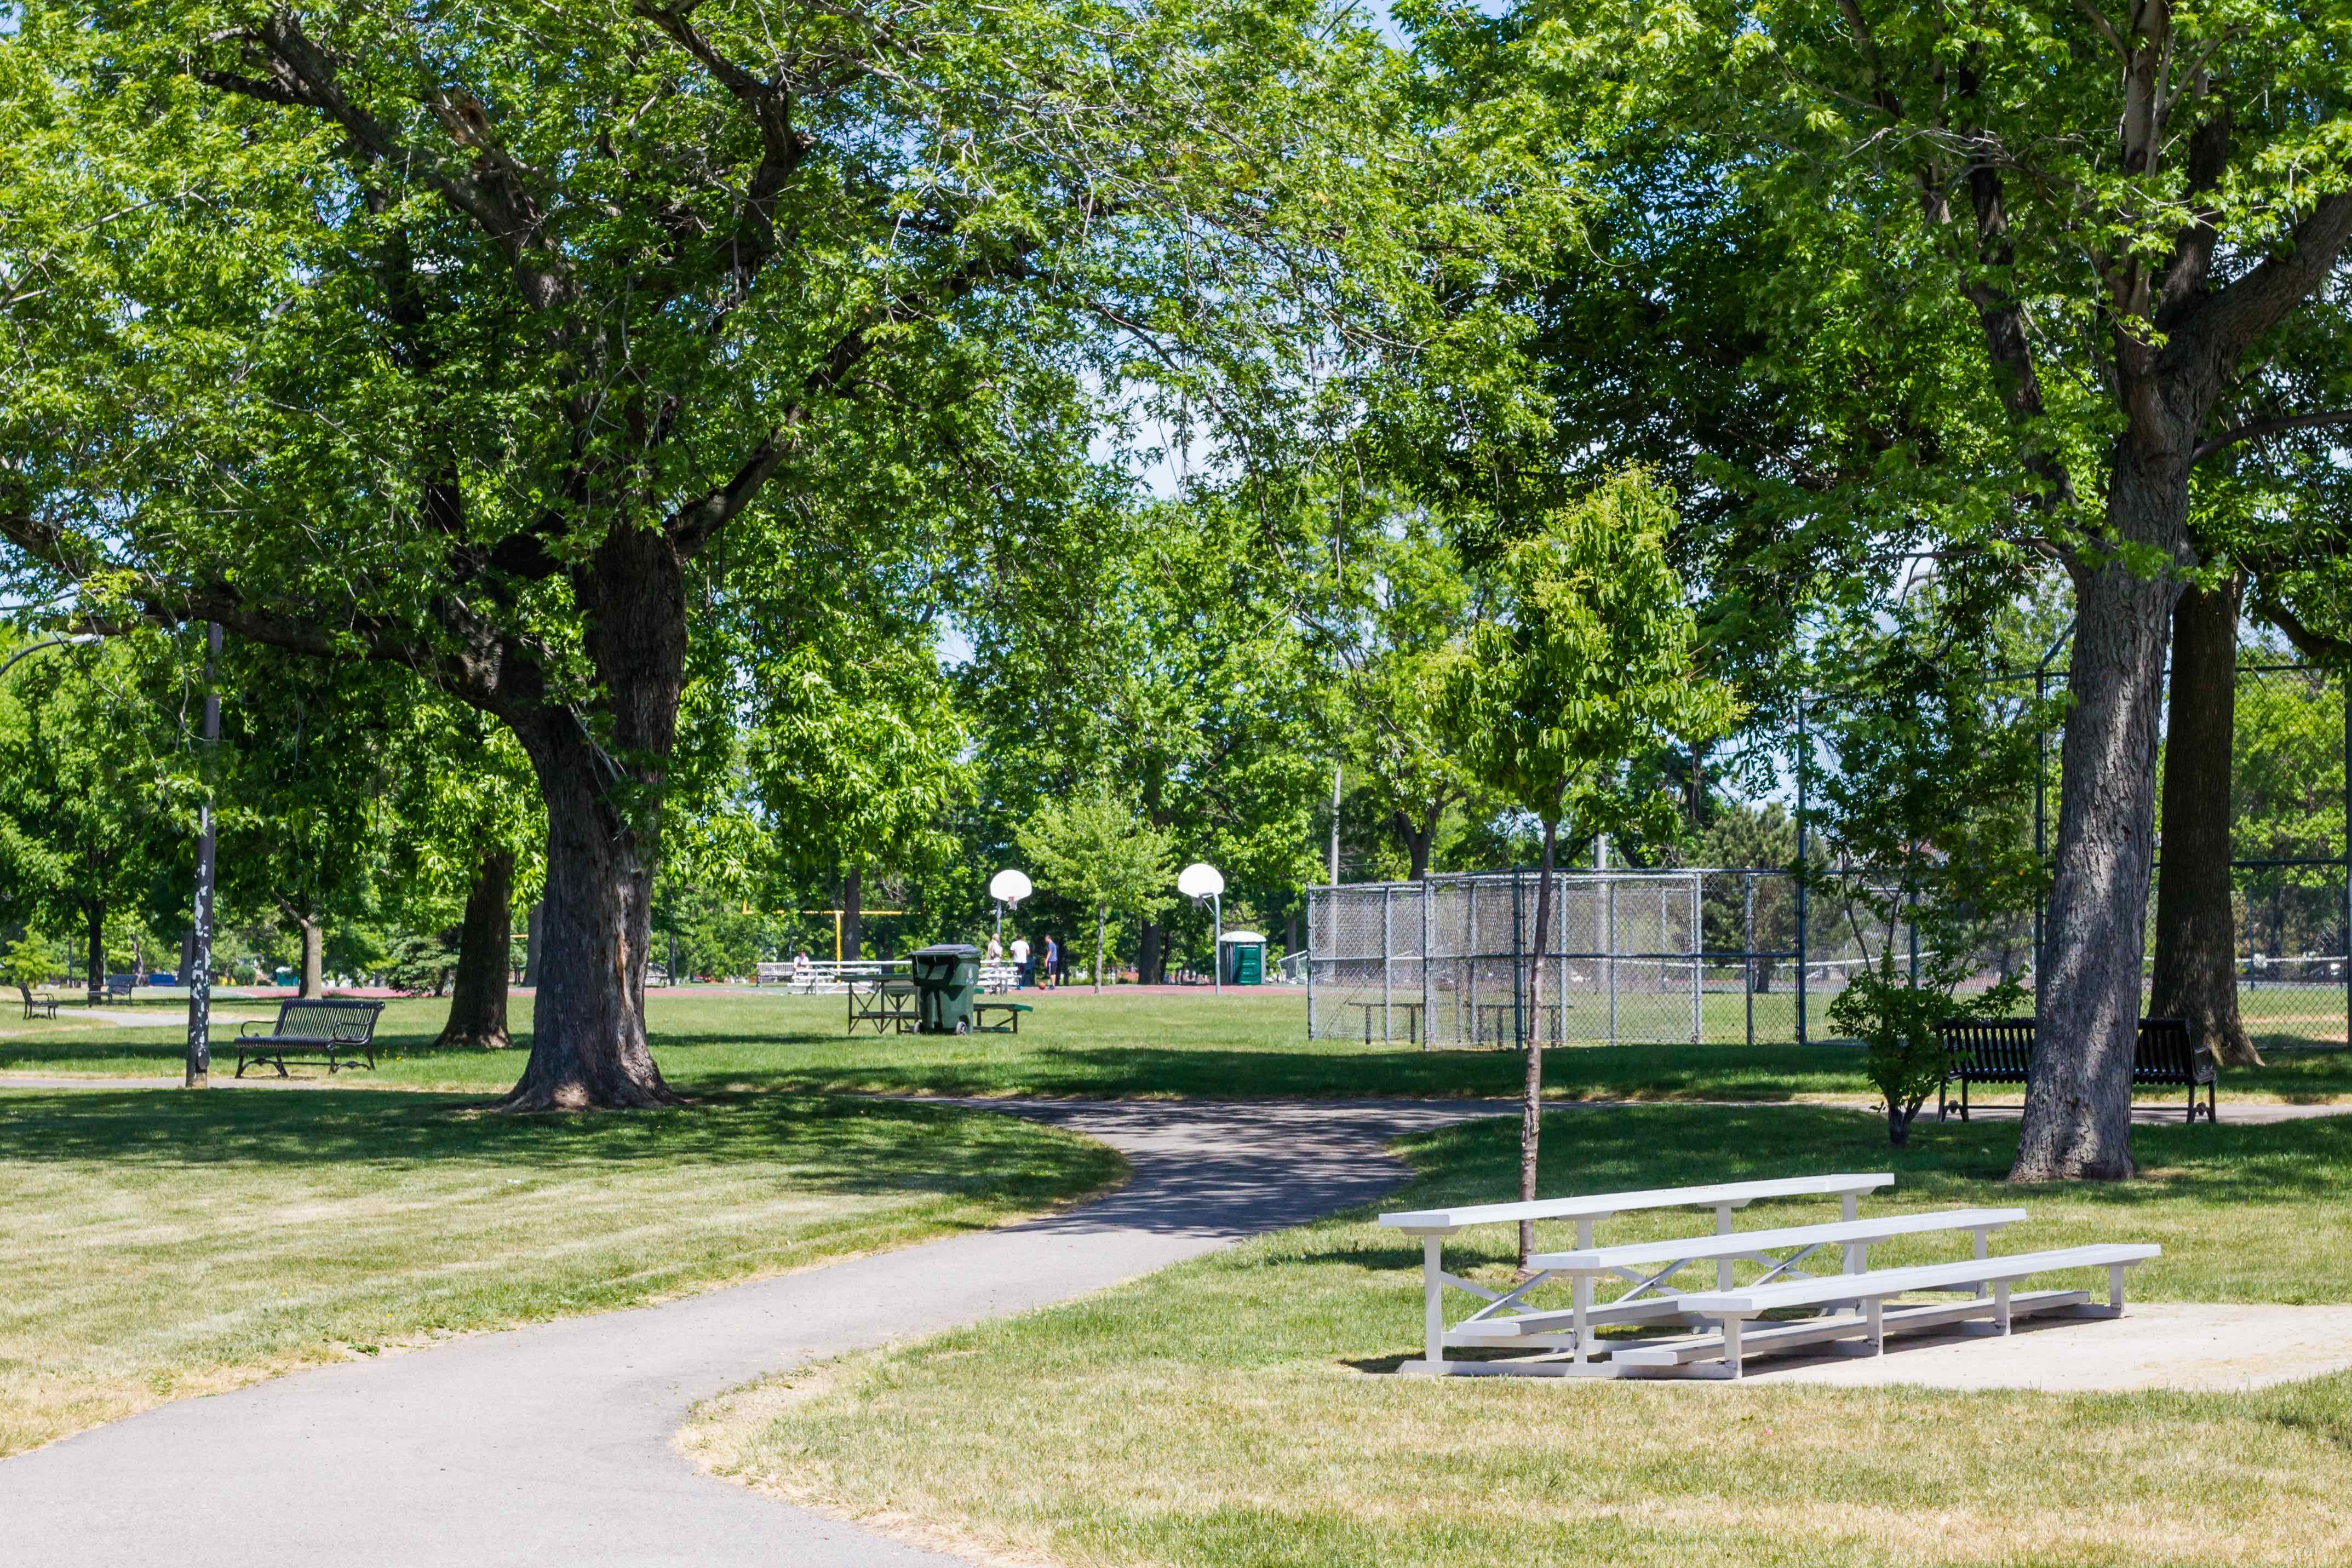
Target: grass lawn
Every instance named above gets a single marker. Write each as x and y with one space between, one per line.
155 1245
1223 1413
1079 1044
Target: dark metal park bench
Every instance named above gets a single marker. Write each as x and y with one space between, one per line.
120 987
43 1006
2000 1051
342 1032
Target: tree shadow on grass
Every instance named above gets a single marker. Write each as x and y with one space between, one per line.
824 1145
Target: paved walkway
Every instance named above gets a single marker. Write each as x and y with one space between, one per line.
554 1445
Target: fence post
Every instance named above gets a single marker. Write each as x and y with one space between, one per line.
1388 962
1608 946
1469 988
1698 954
1519 968
1803 745
1748 948
1311 902
1428 929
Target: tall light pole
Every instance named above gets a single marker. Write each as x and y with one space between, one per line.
200 971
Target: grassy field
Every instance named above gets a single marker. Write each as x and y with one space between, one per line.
1222 1413
1077 1044
155 1244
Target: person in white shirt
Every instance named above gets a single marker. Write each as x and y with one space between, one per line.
1021 960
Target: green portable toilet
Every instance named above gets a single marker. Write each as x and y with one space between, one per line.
1244 958
947 977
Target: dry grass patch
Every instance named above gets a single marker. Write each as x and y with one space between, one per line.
155 1245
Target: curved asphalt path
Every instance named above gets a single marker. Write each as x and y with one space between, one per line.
552 1445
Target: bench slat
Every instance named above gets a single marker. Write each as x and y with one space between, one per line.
1600 1205
1881 1282
1738 1242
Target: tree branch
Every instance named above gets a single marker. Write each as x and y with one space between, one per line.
2222 329
2260 427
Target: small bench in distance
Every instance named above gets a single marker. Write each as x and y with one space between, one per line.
340 1029
1012 1011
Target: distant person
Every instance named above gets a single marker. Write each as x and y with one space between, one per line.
802 970
1021 961
1053 962
995 950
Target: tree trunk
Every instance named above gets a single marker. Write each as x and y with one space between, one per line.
1417 836
602 790
478 1000
531 943
94 928
314 955
2196 926
1150 956
187 955
1531 1099
852 937
2078 1098
1102 919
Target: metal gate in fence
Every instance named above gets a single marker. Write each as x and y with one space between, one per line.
1633 957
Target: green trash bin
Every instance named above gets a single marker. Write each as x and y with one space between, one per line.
1244 958
947 978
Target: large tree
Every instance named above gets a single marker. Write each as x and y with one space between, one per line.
2062 250
417 335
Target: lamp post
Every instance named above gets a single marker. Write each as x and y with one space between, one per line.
200 967
1203 883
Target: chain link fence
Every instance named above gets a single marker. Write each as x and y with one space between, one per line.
1690 955
1730 955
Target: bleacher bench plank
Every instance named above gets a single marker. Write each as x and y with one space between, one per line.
1872 1290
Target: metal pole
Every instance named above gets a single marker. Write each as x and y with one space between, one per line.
1428 934
1747 949
1388 960
200 971
1337 771
1518 967
1698 945
2346 678
1609 946
1804 744
1217 947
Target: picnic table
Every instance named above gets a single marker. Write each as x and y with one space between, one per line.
885 1002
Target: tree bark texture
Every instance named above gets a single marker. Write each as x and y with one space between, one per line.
2077 1121
1531 1096
94 930
1150 949
531 943
477 999
314 955
588 1046
2195 923
852 916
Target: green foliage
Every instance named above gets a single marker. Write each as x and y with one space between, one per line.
1588 663
1895 1021
419 966
29 962
1096 847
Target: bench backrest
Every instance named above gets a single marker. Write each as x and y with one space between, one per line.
1988 1048
311 1018
2001 1050
121 985
1600 1205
